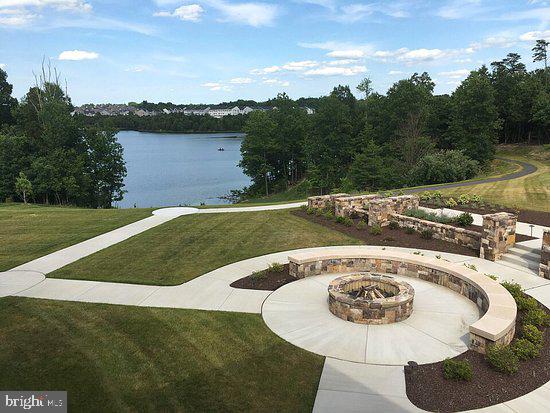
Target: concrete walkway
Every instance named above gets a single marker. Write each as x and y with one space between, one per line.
345 386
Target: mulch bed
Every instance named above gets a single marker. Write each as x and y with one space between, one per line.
269 282
428 389
390 237
524 215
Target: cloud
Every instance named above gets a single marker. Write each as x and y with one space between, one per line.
216 86
138 68
253 14
275 82
290 67
341 62
241 80
15 17
190 12
347 54
535 35
395 72
541 13
77 55
355 12
63 5
455 74
336 71
461 9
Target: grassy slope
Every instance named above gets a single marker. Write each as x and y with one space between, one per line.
116 358
28 232
192 245
529 192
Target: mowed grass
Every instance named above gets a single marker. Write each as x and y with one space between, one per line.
126 359
529 192
192 245
31 231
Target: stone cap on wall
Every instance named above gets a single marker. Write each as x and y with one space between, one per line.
497 321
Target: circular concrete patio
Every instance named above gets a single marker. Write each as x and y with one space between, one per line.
437 328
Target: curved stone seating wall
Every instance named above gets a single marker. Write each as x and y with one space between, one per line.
496 326
449 233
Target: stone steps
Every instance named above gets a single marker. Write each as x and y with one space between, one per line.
523 257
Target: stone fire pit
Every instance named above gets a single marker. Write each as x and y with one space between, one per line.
370 299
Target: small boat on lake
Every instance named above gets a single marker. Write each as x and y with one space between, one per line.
221 149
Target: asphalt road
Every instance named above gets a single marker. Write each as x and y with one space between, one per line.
526 169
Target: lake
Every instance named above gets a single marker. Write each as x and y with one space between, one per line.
166 169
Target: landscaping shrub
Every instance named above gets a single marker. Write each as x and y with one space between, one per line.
319 212
276 267
348 222
437 195
514 289
525 350
492 276
410 230
502 359
428 216
526 303
465 219
531 333
375 230
450 203
476 199
361 225
340 220
464 199
427 234
443 166
329 215
457 370
426 196
310 211
537 317
303 207
393 225
258 275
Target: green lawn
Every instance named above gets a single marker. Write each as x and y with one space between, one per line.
125 359
192 245
529 192
30 231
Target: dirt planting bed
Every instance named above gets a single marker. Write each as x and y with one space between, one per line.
269 280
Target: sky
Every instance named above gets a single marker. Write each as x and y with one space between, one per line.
210 51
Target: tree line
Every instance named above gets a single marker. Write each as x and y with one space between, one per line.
51 157
408 136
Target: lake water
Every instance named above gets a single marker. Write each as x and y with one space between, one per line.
166 169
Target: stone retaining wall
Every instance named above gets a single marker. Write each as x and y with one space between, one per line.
380 209
449 233
499 234
349 205
392 266
323 201
544 267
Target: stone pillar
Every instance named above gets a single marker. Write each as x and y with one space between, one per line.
348 205
544 267
499 234
380 209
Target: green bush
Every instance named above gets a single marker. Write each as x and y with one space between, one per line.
426 196
526 303
514 289
410 230
329 215
361 225
303 207
465 219
531 333
437 194
450 203
258 275
457 370
525 350
428 216
348 222
537 317
393 225
427 234
375 230
340 220
276 267
310 211
502 359
475 198
464 199
319 212
443 166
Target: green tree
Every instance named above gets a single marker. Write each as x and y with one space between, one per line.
367 171
365 87
7 102
258 150
23 186
540 52
474 119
